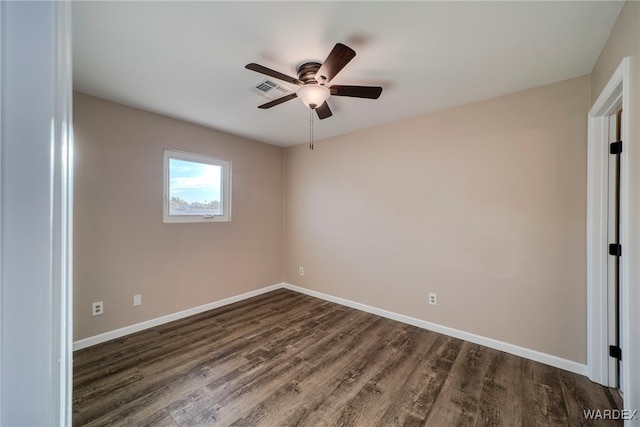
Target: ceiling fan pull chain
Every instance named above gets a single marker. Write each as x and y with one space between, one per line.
310 128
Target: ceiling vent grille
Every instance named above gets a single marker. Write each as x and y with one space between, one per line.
270 89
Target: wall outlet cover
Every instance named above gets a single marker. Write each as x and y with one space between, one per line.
97 308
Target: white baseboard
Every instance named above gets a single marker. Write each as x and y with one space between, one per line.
537 356
558 362
118 333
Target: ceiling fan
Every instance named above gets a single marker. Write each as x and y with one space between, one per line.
313 79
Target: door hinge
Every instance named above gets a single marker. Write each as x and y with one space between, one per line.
615 249
615 352
615 147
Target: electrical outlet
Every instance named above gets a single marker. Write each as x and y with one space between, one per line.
301 271
97 308
137 300
433 298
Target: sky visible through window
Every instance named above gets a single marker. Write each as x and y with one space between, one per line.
194 188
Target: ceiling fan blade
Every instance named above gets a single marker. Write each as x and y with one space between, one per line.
324 111
339 57
371 92
278 101
269 72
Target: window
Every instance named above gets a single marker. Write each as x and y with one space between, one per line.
196 188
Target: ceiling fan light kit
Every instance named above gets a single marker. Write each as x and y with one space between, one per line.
313 95
313 79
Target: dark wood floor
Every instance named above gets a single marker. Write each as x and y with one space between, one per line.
287 359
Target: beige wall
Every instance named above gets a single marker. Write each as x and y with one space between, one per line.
483 204
121 245
624 40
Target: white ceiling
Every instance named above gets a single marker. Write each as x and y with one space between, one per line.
186 59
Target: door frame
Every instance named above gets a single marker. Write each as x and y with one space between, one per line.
616 94
36 144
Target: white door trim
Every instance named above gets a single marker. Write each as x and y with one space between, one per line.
615 94
36 201
612 273
62 214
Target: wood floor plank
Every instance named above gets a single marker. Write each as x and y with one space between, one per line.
325 403
230 397
233 394
501 397
543 403
167 370
158 419
320 385
423 385
580 395
458 403
288 359
343 349
372 401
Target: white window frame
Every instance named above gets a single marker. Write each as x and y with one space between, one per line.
225 187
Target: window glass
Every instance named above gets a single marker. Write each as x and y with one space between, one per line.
196 188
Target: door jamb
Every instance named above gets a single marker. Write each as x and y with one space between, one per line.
615 93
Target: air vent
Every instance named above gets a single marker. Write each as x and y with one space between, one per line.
270 89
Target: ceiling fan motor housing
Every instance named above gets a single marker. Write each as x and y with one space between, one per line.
307 72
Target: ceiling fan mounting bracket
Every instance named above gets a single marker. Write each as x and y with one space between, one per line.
307 72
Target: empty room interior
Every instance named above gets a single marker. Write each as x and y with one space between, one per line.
413 247
452 209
